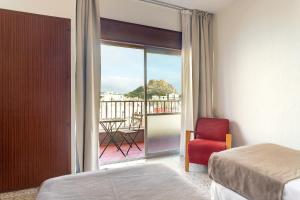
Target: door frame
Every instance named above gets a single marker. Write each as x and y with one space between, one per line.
146 50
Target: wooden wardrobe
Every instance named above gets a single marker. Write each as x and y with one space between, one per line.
35 99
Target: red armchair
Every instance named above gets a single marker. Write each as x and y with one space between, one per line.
211 135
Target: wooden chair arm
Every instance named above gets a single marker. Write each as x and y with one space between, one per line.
188 136
228 141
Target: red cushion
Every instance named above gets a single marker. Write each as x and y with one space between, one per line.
200 150
212 129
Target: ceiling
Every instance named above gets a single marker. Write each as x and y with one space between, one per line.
206 5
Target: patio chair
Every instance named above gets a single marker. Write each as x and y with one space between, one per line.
132 131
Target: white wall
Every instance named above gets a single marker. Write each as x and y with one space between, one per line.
58 8
135 11
258 70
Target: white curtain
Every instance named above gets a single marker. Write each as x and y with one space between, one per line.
187 91
87 84
197 72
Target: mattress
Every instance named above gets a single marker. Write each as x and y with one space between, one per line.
143 182
218 192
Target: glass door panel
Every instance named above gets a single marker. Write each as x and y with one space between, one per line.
163 101
122 97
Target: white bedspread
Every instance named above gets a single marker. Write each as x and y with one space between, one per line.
144 182
218 192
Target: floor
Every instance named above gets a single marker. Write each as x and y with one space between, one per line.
197 175
29 194
112 155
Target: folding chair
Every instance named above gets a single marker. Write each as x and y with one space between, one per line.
132 131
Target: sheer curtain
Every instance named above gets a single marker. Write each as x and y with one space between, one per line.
197 72
87 84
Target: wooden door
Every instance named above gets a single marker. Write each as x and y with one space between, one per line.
35 99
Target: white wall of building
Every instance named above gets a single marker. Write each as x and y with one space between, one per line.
258 70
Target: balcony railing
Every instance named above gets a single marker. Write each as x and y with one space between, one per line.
125 109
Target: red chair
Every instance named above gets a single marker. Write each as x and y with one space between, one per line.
211 135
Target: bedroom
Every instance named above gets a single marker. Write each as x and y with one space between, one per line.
254 82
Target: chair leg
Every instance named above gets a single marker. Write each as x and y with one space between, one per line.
128 149
228 141
131 144
187 160
134 142
125 140
121 144
187 165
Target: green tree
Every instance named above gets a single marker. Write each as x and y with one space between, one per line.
155 88
138 92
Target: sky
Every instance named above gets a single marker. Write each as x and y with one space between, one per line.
122 69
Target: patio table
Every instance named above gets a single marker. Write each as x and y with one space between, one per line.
111 127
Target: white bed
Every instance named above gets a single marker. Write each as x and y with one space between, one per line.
218 192
141 182
256 172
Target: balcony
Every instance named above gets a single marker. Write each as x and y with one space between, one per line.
163 127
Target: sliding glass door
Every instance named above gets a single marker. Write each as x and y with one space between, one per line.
163 101
140 102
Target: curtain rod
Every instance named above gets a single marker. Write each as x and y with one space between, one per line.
164 4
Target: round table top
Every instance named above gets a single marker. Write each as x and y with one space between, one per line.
112 120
